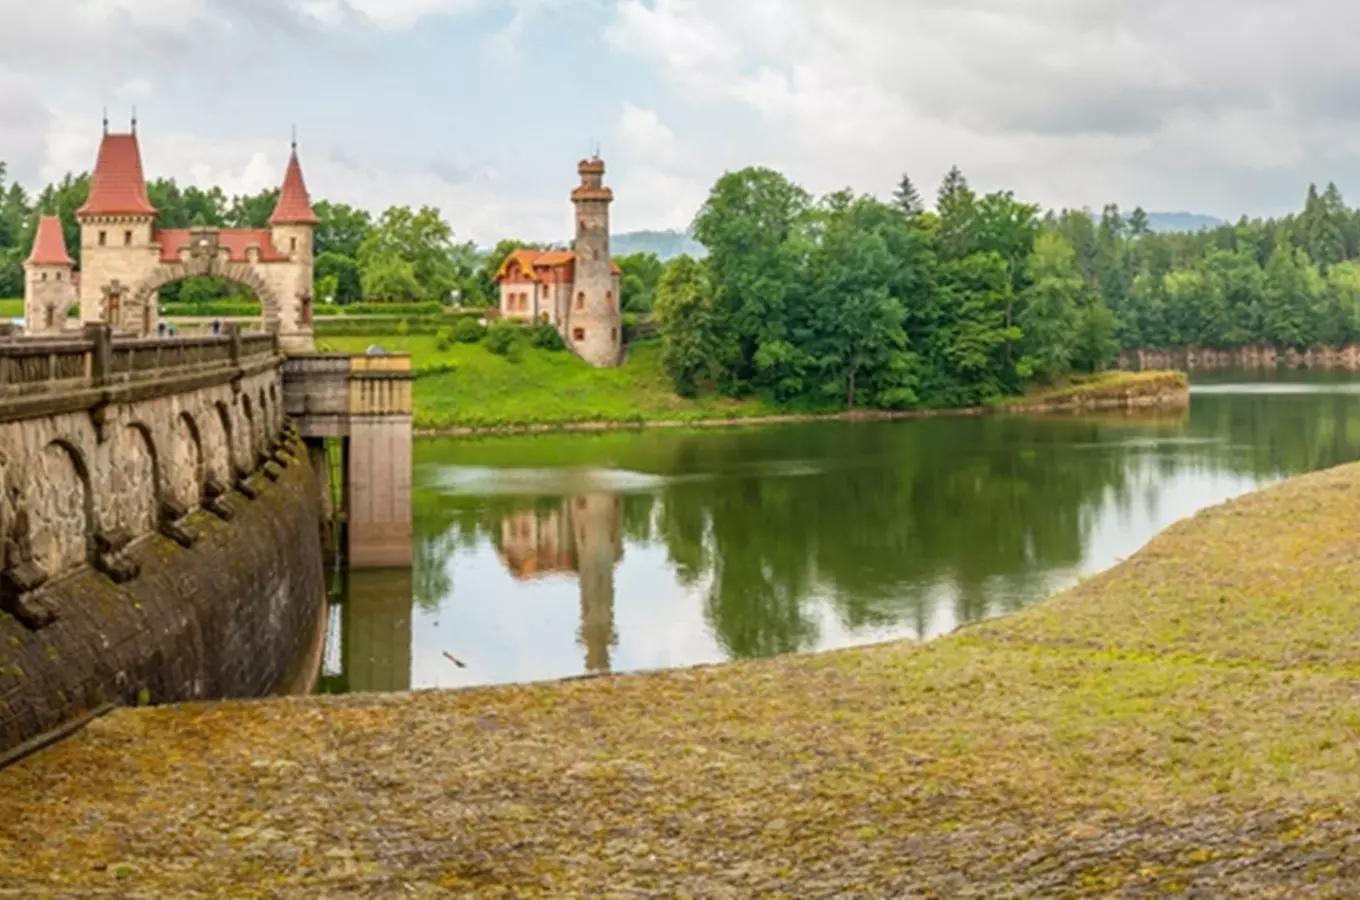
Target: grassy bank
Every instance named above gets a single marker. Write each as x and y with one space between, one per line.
12 308
1103 389
1186 722
467 387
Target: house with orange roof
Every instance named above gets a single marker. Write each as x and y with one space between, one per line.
125 259
576 290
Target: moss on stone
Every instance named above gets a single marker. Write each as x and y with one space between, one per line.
1184 723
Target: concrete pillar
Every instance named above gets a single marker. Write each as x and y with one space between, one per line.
379 465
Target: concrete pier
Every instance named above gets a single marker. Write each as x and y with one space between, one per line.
364 403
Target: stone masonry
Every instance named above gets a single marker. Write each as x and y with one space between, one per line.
125 259
578 291
137 548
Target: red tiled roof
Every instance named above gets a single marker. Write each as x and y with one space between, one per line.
49 244
118 186
294 206
543 259
172 240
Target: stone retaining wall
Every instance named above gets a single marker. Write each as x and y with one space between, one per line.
232 615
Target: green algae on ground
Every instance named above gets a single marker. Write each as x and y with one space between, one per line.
1188 722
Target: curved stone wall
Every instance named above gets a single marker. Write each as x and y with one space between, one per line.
232 614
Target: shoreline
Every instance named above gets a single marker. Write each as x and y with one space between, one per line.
1169 390
1182 722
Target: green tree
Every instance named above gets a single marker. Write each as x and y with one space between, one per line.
751 224
1048 322
685 316
908 200
340 229
410 253
641 273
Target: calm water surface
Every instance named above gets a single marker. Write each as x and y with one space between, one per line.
550 556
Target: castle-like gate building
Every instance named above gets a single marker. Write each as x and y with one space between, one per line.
125 259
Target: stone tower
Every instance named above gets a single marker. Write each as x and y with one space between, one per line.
48 289
292 228
116 250
594 319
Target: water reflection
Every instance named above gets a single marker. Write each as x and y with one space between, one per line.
551 556
581 536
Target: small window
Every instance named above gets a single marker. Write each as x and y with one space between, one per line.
127 238
578 334
614 334
44 278
58 276
609 299
583 225
292 245
581 300
103 238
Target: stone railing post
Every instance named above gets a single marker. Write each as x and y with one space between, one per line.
100 336
234 336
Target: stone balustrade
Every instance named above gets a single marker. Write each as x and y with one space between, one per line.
99 358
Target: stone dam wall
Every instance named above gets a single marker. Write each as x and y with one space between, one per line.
232 616
1249 357
160 527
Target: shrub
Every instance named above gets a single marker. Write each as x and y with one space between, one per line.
443 339
545 337
501 338
468 331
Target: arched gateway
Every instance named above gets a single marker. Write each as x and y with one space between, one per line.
125 259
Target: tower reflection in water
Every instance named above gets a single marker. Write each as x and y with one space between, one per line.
581 536
369 640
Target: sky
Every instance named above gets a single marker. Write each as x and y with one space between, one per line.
484 107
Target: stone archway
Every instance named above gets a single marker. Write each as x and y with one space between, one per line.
206 257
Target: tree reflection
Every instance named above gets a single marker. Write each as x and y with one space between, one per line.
882 522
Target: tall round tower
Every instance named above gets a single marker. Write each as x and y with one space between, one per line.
594 321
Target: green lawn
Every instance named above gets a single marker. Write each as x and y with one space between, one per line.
468 386
12 308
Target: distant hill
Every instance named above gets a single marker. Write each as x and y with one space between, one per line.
665 244
1181 221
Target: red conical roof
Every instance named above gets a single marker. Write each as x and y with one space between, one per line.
49 244
118 187
294 207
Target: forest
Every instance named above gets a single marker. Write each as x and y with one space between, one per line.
849 300
884 303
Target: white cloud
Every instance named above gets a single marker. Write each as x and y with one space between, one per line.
1132 102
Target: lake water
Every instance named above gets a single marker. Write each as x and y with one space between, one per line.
550 556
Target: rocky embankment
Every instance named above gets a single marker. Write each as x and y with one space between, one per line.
1185 724
1118 390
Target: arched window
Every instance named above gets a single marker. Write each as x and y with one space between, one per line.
127 238
51 316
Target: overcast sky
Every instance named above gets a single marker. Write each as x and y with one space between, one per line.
483 107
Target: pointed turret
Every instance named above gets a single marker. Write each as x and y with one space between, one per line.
49 245
294 206
118 187
49 288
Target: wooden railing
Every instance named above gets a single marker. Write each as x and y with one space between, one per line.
40 366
